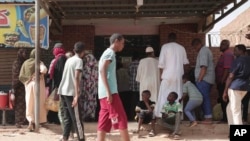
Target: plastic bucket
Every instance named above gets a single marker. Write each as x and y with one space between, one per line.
4 100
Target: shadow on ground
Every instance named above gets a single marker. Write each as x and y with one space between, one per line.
52 132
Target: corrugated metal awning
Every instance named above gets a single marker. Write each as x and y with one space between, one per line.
202 12
18 1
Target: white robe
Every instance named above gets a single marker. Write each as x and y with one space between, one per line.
148 75
172 59
31 96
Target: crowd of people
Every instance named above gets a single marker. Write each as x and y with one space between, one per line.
77 93
158 89
160 77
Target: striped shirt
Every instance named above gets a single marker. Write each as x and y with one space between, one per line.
132 71
192 91
175 107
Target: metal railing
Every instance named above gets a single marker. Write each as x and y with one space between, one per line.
214 39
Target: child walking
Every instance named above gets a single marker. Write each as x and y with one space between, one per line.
145 112
195 99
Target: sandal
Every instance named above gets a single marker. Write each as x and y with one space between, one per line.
63 139
18 125
31 128
206 122
176 137
151 133
194 123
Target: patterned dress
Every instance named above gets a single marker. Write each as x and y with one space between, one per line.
19 89
88 97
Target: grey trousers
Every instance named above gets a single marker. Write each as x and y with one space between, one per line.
172 123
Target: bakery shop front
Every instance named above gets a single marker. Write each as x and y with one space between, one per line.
17 30
143 22
17 27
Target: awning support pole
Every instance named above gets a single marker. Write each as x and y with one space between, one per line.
37 65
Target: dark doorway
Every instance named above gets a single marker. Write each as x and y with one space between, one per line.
134 43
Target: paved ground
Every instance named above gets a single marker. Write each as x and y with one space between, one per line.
51 132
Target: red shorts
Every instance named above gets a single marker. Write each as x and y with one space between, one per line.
109 110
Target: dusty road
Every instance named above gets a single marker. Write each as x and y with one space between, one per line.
51 132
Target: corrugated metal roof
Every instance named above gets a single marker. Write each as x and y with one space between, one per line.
18 1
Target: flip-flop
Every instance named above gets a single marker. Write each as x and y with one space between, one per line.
206 122
176 137
151 133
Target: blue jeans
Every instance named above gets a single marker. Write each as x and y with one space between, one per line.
190 107
205 89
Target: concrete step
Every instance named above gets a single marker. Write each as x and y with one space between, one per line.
216 132
201 129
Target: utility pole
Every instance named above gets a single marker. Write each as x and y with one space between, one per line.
37 65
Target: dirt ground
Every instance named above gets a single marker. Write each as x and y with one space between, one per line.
52 132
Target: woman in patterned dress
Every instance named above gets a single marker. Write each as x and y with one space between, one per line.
88 100
18 88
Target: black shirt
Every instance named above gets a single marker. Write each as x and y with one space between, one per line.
58 72
142 106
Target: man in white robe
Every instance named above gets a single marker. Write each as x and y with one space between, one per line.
148 74
172 59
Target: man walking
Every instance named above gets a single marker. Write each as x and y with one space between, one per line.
204 76
237 85
70 91
171 61
221 72
112 112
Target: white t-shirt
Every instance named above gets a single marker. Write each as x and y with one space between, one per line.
66 87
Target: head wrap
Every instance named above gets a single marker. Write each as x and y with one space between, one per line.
57 52
21 57
28 68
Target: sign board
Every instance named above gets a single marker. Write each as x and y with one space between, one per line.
17 26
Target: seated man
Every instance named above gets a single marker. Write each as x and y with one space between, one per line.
145 114
171 115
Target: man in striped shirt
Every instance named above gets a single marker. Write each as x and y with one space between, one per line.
133 84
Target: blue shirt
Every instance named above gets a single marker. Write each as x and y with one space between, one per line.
241 70
108 54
